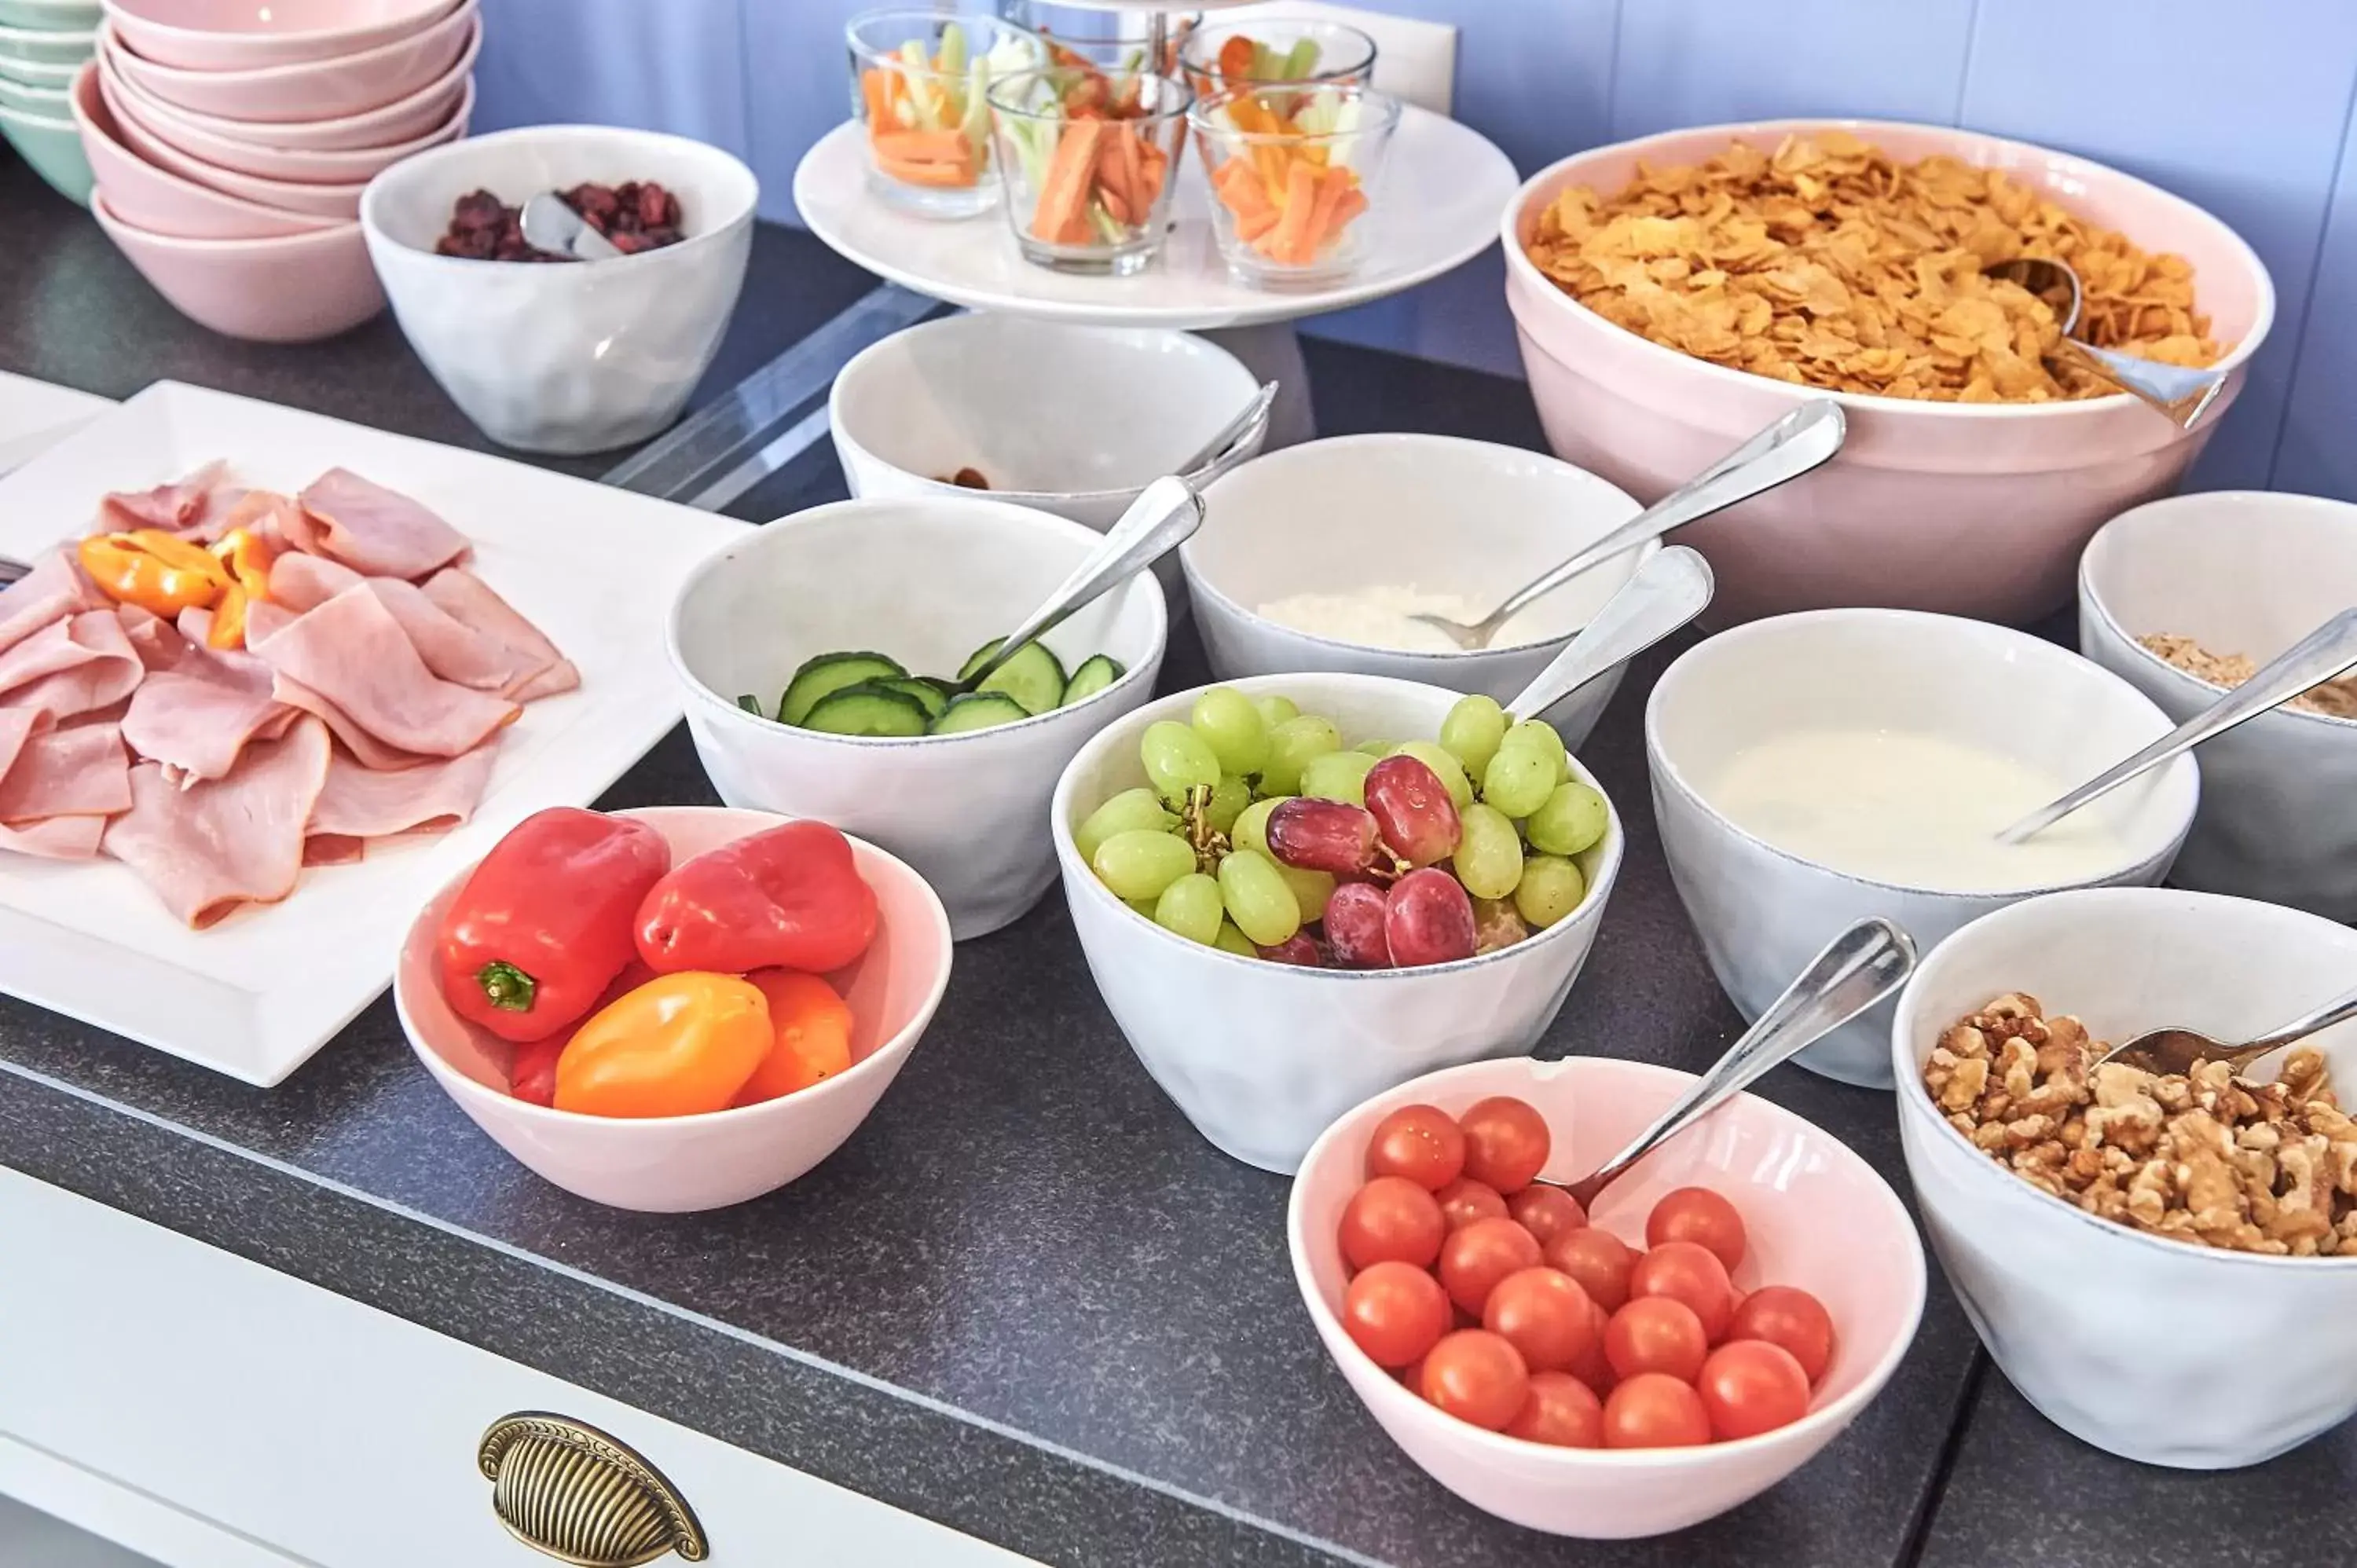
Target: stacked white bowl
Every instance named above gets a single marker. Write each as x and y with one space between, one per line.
42 44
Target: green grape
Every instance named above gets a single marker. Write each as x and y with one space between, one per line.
1191 907
1250 828
1231 939
1232 728
1540 732
1519 778
1337 776
1443 765
1551 888
1291 745
1177 759
1489 858
1471 732
1261 905
1130 808
1573 818
1139 864
1275 711
1311 889
1230 796
1378 749
1143 906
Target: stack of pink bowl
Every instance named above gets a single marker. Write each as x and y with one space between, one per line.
231 142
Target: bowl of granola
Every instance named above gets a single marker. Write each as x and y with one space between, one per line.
1674 294
2165 1266
2186 597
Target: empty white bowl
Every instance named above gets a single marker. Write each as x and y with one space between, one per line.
2250 573
925 582
677 1165
1761 912
2156 1350
1430 513
575 357
1262 1056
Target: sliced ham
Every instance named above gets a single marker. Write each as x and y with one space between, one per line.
371 752
197 717
364 802
352 652
157 641
300 581
172 508
72 667
265 513
211 847
451 649
16 728
56 838
333 848
76 772
54 589
376 531
468 599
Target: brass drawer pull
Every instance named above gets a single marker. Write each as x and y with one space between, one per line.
583 1497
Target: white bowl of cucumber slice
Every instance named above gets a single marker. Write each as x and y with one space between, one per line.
817 656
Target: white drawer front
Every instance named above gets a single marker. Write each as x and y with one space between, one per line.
333 1433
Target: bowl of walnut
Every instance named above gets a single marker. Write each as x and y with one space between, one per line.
2165 1266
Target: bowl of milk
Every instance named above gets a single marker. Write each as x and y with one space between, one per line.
1809 770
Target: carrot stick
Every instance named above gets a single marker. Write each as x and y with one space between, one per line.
946 176
924 147
1353 202
877 90
1061 216
1285 241
1332 185
1250 226
1236 58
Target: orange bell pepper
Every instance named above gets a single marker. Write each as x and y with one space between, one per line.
159 571
678 1046
813 1025
247 555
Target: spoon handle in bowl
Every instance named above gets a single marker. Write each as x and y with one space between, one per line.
2340 1010
2320 656
1660 596
1857 969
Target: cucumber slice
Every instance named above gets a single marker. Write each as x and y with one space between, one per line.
979 710
752 705
831 672
978 657
931 693
1032 676
1097 671
867 708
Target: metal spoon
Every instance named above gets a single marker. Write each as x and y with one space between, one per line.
1254 411
2176 1050
549 224
1161 518
2180 392
1857 969
1660 596
2320 656
1791 447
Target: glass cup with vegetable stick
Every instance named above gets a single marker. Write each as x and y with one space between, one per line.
918 84
1091 27
1090 152
1274 51
1296 174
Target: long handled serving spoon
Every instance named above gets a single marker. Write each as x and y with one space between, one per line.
2176 1050
1662 595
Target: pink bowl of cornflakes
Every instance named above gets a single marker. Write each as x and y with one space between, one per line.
1830 261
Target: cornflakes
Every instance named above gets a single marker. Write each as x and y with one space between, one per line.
1829 264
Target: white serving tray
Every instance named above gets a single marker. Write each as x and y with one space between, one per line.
36 414
255 995
1439 206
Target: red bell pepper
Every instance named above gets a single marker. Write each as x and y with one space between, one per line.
543 925
788 898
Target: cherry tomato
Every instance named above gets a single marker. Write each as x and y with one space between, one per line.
1691 1274
1655 1334
1544 1313
1592 1367
1395 1312
1506 1142
1699 1215
1653 1410
1477 1377
1792 1318
1546 1212
1474 1258
1390 1217
1750 1386
1598 1260
1421 1143
1464 1200
1561 1411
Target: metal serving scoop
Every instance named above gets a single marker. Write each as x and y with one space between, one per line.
1666 593
2180 392
2176 1050
550 225
1791 447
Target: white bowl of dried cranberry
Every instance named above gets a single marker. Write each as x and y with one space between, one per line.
1260 1055
564 357
2161 1351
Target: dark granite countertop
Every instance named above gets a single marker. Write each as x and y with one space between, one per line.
1026 1299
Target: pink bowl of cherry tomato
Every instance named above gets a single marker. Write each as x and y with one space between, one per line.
1727 1308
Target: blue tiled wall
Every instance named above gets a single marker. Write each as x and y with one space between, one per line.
2244 108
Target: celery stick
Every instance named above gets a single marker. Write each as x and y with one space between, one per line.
1109 229
922 98
1264 63
977 105
949 59
1302 61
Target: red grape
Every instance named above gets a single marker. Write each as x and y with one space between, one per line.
1355 926
1294 949
1426 919
1412 808
1333 836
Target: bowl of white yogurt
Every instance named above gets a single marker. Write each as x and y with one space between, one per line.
1319 557
1811 769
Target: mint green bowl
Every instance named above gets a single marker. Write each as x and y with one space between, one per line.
54 149
50 16
47 48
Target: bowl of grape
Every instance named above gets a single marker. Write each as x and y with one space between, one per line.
1297 891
